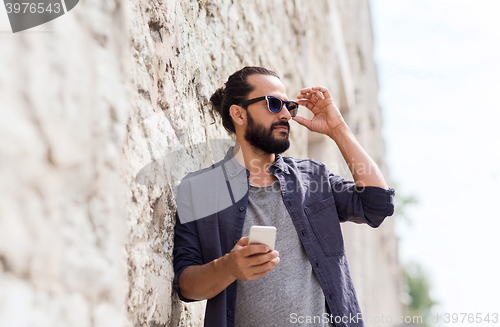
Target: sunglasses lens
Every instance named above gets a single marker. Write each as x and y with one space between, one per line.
293 108
274 104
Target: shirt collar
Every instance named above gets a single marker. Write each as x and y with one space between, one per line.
279 163
234 168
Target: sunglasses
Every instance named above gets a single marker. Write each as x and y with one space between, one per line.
274 104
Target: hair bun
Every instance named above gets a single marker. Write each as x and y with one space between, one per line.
221 91
217 98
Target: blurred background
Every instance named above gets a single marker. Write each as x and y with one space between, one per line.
91 98
439 73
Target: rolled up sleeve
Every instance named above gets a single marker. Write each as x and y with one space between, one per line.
187 251
362 205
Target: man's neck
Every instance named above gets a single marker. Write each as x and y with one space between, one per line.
257 162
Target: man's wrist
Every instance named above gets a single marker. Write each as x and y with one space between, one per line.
224 267
339 131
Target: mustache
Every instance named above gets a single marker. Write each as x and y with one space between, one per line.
281 123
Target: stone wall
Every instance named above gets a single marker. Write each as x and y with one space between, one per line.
90 99
63 111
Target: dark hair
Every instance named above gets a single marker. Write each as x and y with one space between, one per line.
235 91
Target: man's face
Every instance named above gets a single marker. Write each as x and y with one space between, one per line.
266 130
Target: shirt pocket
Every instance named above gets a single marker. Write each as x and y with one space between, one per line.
325 223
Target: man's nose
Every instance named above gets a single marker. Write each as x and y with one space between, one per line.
284 113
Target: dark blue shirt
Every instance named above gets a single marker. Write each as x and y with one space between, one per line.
317 201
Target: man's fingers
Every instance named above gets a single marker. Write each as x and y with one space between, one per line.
257 266
252 249
303 121
308 104
317 95
265 268
305 103
264 258
304 96
324 91
308 92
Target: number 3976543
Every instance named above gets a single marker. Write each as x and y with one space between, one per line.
33 8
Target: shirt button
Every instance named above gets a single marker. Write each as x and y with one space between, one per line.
242 209
235 241
229 312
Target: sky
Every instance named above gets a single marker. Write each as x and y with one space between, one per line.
439 79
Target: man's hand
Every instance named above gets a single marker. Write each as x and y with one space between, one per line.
327 116
251 261
244 262
328 120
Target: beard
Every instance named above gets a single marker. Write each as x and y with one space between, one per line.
263 139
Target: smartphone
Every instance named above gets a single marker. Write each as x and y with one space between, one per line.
263 235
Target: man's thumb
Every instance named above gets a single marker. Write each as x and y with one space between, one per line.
243 241
303 121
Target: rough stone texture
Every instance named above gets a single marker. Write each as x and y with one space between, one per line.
119 84
63 110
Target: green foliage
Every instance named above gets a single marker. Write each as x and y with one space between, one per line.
419 287
415 279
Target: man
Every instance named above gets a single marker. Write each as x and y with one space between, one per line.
308 281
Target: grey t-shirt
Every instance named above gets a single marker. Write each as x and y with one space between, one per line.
290 294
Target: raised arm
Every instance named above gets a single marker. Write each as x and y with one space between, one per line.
329 121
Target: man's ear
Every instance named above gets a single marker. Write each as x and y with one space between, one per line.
238 114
